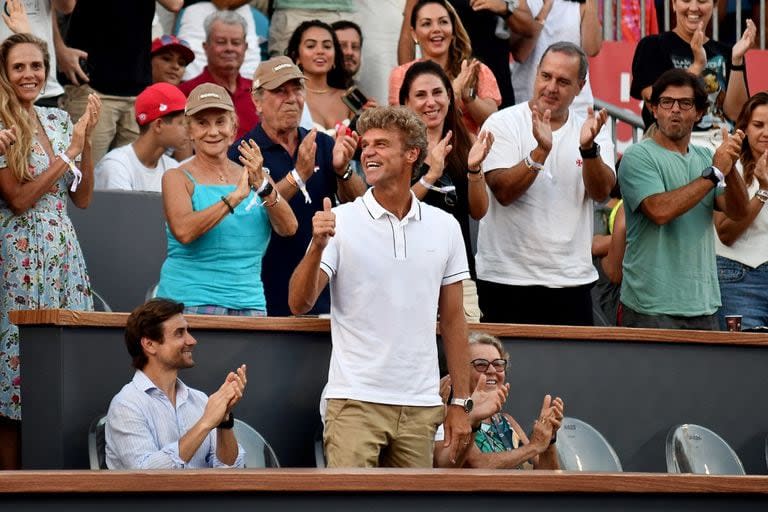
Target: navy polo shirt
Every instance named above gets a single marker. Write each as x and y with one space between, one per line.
284 253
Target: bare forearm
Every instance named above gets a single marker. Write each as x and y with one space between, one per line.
735 95
453 331
303 288
63 7
351 189
442 458
666 206
281 216
23 196
735 197
406 48
84 193
598 178
509 184
591 31
190 442
478 196
189 227
548 459
226 446
172 5
522 48
479 109
500 460
521 21
729 230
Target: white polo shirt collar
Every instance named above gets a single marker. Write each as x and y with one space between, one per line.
377 211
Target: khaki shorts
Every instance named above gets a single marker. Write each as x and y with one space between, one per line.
365 435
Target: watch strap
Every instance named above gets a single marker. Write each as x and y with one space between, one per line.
347 173
228 423
592 152
532 164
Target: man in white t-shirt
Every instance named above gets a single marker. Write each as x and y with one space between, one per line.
140 165
393 263
546 166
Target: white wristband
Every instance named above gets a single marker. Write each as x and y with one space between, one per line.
72 167
720 177
443 190
302 186
264 183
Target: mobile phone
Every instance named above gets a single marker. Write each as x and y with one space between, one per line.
84 66
354 99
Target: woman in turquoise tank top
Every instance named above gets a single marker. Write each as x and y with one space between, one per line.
219 215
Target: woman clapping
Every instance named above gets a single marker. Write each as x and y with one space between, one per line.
41 260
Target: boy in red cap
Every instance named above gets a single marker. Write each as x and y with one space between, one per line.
140 166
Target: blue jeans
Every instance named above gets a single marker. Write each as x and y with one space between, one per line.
744 291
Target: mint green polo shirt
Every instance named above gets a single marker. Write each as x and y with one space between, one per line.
668 269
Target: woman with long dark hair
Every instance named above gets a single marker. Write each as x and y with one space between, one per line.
742 248
451 178
442 38
315 48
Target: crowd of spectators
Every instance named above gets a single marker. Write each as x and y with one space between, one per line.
247 150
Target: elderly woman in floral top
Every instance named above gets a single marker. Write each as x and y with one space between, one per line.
500 442
40 259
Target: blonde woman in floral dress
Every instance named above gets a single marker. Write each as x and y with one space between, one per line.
41 262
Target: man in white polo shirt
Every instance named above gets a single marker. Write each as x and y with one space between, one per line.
393 264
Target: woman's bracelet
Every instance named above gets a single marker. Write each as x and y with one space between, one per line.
228 204
273 203
290 180
72 167
762 195
739 67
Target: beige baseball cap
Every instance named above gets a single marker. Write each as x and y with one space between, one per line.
206 96
274 72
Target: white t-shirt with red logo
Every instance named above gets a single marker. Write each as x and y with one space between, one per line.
545 236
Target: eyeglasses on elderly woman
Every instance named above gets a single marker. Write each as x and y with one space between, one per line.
481 365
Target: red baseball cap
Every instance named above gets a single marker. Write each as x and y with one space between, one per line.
158 100
168 42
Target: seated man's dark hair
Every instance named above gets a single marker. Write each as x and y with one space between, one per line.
345 24
680 78
146 321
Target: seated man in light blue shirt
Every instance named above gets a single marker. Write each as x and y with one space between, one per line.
157 422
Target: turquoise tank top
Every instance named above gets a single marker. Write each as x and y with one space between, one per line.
223 266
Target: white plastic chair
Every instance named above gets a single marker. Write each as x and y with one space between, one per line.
258 452
319 448
96 443
580 447
696 449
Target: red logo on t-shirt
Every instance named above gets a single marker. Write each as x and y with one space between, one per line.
579 161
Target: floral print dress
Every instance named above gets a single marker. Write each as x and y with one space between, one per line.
41 261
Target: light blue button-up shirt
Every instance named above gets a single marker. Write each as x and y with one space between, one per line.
143 428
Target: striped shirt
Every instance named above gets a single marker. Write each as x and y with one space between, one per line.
143 428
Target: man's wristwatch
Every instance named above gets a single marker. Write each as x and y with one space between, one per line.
714 175
592 152
511 6
532 164
347 174
465 403
227 423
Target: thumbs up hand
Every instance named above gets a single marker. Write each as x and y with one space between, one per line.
323 225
